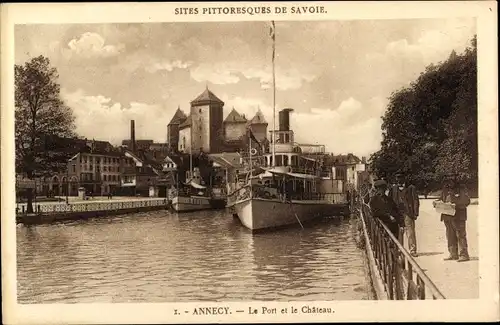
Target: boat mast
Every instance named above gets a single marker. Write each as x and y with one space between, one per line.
273 36
250 150
191 156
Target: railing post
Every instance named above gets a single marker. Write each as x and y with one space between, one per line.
389 265
398 274
411 295
420 288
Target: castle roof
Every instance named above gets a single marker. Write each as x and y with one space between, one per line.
186 123
258 118
207 97
178 117
235 117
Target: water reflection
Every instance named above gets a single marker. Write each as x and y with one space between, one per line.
162 257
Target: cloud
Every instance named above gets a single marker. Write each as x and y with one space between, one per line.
101 118
216 75
232 72
336 77
352 127
168 66
286 79
433 45
91 45
247 106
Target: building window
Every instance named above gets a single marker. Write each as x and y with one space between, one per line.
199 110
74 168
105 168
104 177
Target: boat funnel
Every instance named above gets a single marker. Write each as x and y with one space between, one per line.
284 119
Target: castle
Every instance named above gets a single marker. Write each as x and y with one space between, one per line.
205 130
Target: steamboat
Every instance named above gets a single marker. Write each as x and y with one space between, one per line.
193 195
284 187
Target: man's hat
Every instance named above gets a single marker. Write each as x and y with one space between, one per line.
379 183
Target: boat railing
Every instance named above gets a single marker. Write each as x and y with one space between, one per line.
267 192
332 198
402 277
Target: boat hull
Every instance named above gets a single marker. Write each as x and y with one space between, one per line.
257 214
191 203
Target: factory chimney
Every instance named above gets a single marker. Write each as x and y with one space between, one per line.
132 136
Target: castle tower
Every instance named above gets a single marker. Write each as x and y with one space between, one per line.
258 125
184 144
173 128
206 123
234 126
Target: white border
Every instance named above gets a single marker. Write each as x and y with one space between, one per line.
484 309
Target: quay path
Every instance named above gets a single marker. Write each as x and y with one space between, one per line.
455 280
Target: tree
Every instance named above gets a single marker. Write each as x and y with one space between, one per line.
430 127
40 114
459 152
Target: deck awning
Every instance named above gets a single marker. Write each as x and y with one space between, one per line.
307 158
303 176
294 175
195 185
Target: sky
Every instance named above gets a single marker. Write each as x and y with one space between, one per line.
336 75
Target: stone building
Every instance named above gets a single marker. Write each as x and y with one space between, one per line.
204 128
258 125
97 171
235 126
173 129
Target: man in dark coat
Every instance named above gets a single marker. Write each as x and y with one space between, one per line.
383 208
406 198
456 226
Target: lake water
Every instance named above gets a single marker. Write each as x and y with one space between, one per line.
209 256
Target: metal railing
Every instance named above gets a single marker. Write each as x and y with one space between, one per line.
265 192
92 206
402 276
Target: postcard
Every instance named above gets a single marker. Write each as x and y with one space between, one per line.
246 162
